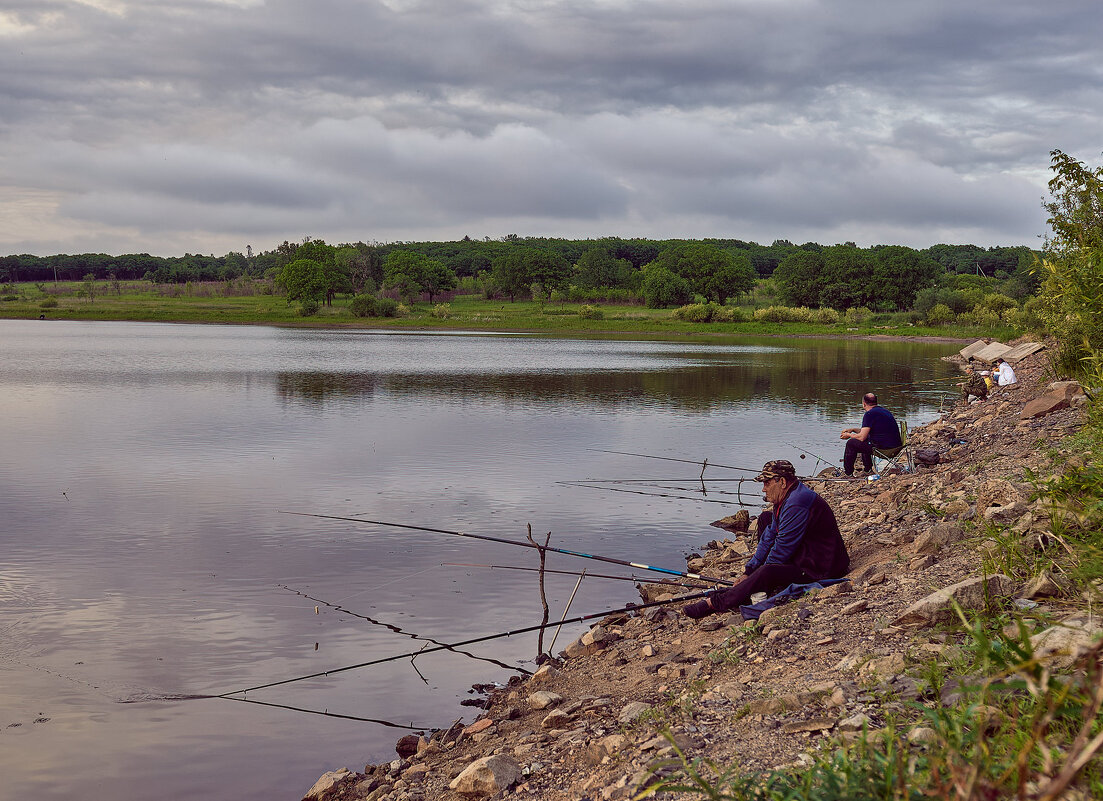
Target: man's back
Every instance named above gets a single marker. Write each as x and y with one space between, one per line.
883 430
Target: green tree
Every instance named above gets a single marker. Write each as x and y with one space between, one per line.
710 271
799 279
597 267
517 270
89 287
1072 289
412 273
897 274
663 288
303 280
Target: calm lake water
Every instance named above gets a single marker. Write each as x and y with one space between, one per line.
145 555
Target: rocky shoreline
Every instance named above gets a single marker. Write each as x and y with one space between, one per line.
589 724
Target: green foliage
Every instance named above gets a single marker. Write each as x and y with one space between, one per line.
48 303
784 314
588 312
387 307
708 313
89 287
939 314
303 279
858 315
442 311
410 274
309 308
663 288
1072 287
597 267
709 271
363 306
844 276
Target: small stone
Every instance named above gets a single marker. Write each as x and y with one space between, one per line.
556 719
474 728
543 699
856 722
815 724
855 608
544 675
632 710
923 735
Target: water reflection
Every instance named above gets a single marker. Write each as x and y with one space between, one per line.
143 551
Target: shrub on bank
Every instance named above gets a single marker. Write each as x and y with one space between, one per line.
363 306
588 312
309 308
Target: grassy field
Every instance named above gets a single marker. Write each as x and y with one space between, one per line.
216 303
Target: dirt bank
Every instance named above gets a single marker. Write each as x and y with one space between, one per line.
760 695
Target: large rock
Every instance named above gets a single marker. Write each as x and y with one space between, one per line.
328 785
487 776
1063 644
1040 407
973 593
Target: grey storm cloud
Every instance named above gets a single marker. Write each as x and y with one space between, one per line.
194 124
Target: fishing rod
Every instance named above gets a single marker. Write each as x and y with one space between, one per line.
650 494
325 713
395 629
486 638
572 573
521 543
683 461
708 463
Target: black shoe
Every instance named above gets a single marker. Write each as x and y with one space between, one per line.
698 610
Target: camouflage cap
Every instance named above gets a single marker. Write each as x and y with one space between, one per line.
778 468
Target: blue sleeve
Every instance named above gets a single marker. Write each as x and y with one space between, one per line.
765 545
792 522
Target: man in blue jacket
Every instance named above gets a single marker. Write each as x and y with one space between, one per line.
801 544
879 430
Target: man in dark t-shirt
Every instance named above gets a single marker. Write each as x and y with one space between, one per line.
879 430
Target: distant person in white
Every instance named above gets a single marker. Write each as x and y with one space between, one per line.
1005 373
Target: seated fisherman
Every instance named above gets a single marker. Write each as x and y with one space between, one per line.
879 430
799 545
1004 373
974 384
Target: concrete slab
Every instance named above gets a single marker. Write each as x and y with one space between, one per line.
1022 350
971 350
992 352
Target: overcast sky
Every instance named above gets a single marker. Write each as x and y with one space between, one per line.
203 126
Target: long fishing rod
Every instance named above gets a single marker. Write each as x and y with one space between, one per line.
521 543
709 464
636 579
486 638
683 461
325 713
395 629
650 494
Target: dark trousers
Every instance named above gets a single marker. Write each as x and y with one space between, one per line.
853 448
768 579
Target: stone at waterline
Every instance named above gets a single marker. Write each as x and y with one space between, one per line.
328 785
487 776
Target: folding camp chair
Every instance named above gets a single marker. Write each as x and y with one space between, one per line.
895 457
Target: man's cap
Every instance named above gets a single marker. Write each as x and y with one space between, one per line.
778 468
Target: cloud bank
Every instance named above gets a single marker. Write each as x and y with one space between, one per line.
206 125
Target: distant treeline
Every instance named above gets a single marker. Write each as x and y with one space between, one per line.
466 257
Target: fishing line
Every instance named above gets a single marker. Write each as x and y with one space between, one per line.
485 638
636 579
521 543
325 713
651 494
397 630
